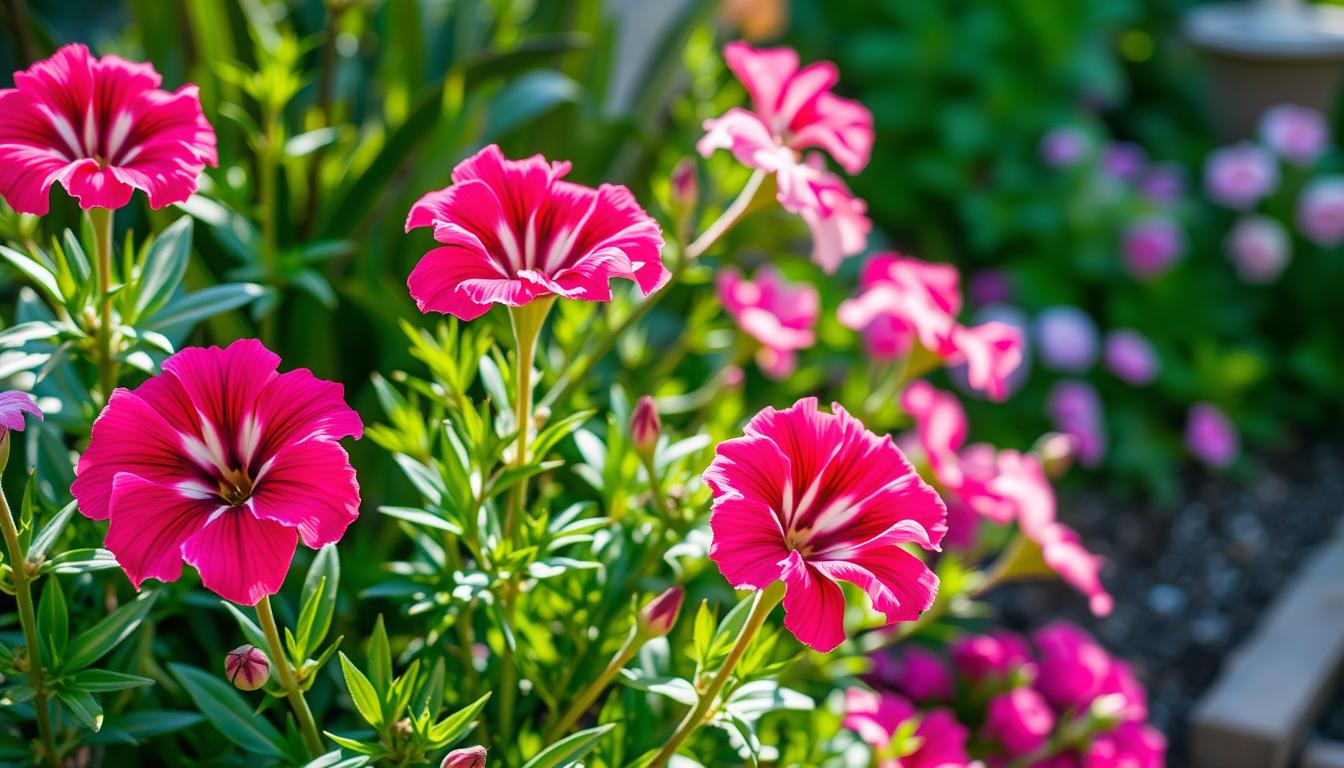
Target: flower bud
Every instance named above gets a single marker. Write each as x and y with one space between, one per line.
247 667
660 615
467 757
685 186
645 427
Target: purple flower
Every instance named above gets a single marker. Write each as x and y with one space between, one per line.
1075 409
1130 356
1297 134
1065 146
1163 183
1241 175
1210 436
1151 245
1066 339
1260 247
1320 211
1123 160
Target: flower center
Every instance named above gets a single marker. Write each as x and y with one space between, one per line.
235 487
799 541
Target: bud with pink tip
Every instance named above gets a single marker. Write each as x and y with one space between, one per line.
247 667
468 757
645 427
658 617
685 185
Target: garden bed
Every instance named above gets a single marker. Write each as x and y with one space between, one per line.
1191 580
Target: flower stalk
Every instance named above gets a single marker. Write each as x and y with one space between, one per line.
583 701
105 356
23 595
311 740
766 600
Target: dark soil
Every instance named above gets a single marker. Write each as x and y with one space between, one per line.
1191 581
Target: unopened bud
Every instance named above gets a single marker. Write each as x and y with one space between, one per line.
247 667
1057 452
658 617
469 757
685 186
645 427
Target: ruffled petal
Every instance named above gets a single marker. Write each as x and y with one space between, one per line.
748 544
309 486
751 467
149 523
841 127
224 385
742 133
899 585
765 72
295 406
814 606
241 557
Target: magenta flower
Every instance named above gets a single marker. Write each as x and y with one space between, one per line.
1065 146
1259 247
1074 670
1320 211
514 230
918 673
1066 339
1211 436
994 656
1129 745
812 498
779 314
877 718
918 301
992 353
940 424
224 463
1151 246
794 110
1075 409
1019 720
1240 176
103 129
1297 134
1130 356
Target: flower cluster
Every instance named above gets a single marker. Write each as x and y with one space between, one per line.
1058 701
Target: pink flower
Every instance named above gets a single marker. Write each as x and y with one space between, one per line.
794 110
1211 436
877 718
224 463
1130 745
1151 245
777 313
1019 720
514 230
918 673
1131 356
1066 339
991 352
1259 247
1065 146
918 299
1240 176
995 656
1075 409
1066 556
1297 134
940 423
812 498
13 404
1320 211
102 128
1073 670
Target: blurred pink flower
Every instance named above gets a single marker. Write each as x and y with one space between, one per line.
1074 670
1211 436
876 718
940 424
1019 720
812 498
994 656
514 230
103 129
916 672
1297 134
992 353
779 314
1151 246
1065 146
1066 339
1131 357
224 463
837 219
1129 745
919 301
1075 409
1320 211
1064 552
1240 176
1259 247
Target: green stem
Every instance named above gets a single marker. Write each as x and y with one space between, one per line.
106 359
18 560
728 218
585 700
527 321
311 740
704 705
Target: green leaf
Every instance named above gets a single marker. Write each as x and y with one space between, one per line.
51 531
703 634
380 660
53 623
335 759
421 517
144 723
38 273
228 712
93 643
731 626
447 731
362 693
103 680
22 333
318 601
165 264
527 98
189 309
83 706
249 627
568 750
